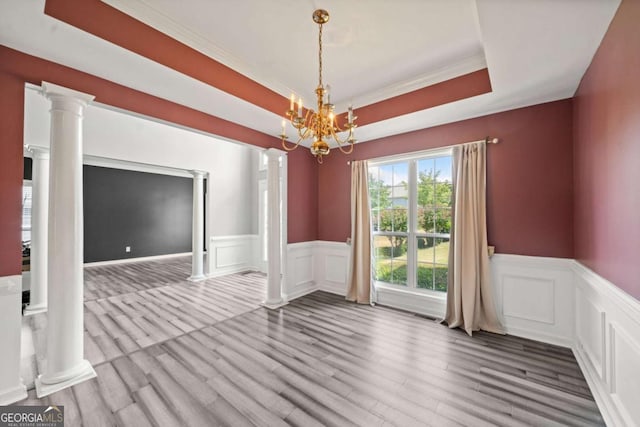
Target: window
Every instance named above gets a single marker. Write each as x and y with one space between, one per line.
410 201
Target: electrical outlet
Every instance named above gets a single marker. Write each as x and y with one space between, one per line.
127 248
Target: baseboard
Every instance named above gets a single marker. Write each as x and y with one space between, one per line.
607 345
138 259
333 288
301 291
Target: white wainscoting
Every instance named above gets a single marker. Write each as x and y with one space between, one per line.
300 270
534 297
316 265
607 345
11 387
232 254
332 266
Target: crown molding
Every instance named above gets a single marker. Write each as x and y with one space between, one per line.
459 68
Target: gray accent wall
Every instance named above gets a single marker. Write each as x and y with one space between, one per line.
150 213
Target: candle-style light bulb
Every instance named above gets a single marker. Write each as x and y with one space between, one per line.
293 100
284 123
299 107
328 94
350 114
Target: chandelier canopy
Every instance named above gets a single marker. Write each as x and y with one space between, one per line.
320 124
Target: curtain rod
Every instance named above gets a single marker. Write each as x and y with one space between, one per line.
488 140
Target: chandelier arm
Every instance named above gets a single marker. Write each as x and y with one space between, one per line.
284 142
346 151
335 136
349 140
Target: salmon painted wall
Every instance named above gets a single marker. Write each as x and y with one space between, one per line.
302 196
529 178
11 173
607 155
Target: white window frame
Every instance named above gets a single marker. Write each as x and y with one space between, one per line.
412 233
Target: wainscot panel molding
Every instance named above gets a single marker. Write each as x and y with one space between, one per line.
316 265
534 297
300 270
11 387
232 254
332 266
138 259
607 345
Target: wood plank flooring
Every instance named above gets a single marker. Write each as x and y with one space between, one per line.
206 354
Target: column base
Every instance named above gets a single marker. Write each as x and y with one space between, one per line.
197 278
274 305
35 309
13 395
46 385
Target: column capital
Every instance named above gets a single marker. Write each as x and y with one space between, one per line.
38 151
52 90
275 153
197 173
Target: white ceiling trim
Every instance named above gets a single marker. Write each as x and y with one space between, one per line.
144 12
460 68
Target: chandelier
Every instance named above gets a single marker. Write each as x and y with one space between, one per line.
320 124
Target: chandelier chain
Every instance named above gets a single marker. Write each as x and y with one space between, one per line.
320 56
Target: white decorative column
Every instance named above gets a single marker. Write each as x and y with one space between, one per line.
11 387
274 266
39 238
65 362
197 245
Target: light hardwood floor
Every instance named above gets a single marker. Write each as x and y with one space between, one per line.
171 352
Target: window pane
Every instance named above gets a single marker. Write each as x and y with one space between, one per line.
382 257
427 220
390 255
443 192
440 277
425 276
441 249
442 219
443 169
425 183
441 266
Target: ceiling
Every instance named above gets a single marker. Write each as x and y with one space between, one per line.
374 52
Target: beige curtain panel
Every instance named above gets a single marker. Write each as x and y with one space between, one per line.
359 284
470 299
